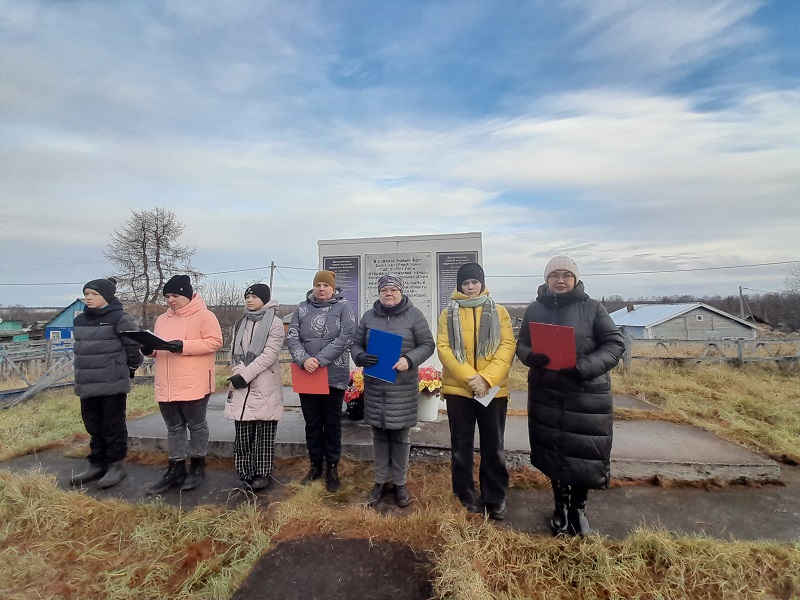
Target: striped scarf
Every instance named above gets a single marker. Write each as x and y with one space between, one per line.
488 328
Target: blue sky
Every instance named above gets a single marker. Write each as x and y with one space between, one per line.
633 136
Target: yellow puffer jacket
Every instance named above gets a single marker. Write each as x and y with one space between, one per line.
494 370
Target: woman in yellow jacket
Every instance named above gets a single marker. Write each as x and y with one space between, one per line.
476 346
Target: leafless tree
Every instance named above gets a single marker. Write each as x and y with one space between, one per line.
793 278
146 253
226 300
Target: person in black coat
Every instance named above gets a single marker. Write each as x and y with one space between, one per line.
570 411
105 363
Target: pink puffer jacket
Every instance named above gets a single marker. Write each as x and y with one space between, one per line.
262 399
190 374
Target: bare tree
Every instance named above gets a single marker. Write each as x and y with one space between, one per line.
226 300
793 278
146 253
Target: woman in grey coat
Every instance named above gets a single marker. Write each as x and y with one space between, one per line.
570 412
320 335
391 409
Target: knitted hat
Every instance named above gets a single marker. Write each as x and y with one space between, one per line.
562 263
390 279
328 277
259 289
179 284
105 287
470 271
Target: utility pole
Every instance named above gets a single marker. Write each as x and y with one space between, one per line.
741 304
272 272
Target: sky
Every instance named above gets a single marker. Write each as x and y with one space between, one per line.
630 135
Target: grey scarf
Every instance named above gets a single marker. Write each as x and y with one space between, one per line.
263 321
488 328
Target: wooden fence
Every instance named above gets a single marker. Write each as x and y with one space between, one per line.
736 352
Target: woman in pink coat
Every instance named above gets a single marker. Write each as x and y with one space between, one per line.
184 381
255 401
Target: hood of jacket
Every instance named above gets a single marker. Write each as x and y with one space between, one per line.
548 298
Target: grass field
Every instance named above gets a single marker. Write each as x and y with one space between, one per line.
58 544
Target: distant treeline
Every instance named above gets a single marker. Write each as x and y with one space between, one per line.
781 312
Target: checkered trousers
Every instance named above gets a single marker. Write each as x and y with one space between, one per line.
254 448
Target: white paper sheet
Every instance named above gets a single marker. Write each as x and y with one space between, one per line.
485 400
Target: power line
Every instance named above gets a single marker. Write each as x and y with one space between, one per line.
287 284
694 269
784 262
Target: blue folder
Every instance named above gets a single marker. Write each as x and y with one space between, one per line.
386 346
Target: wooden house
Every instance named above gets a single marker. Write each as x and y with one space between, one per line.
13 331
686 321
60 327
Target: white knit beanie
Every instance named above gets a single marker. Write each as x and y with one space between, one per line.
562 263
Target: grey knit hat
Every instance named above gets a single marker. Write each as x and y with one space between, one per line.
562 263
390 279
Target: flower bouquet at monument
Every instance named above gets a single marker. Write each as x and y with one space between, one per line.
430 381
354 395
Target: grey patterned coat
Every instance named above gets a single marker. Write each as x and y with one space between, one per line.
387 405
324 330
570 423
103 358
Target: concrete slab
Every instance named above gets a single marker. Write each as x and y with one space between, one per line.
642 449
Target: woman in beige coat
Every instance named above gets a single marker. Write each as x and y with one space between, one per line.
255 401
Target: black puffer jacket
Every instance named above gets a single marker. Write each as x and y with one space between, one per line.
571 422
387 405
103 358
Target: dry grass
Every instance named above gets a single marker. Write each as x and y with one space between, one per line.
54 417
756 405
66 545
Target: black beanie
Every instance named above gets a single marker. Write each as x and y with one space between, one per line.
179 284
471 271
107 288
259 289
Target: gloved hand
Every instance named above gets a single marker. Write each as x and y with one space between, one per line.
238 382
571 373
366 360
479 385
175 346
132 371
534 359
146 350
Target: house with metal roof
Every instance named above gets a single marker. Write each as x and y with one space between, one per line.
685 321
60 328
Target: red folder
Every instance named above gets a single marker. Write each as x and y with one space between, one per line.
304 382
557 342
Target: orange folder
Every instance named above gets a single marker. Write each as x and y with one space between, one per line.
304 382
557 342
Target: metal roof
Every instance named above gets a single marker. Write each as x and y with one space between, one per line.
649 315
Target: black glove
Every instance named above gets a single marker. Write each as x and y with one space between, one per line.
366 360
238 382
132 371
146 350
571 373
535 359
175 346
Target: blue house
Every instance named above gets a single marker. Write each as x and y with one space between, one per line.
60 328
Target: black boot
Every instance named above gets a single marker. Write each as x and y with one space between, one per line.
92 472
375 494
174 475
116 473
401 496
559 523
197 473
313 474
332 483
576 514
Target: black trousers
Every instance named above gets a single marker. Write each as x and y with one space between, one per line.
463 413
323 416
104 420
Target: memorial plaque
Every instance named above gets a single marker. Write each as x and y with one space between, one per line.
347 269
414 268
448 264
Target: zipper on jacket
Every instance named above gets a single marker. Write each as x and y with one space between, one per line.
244 403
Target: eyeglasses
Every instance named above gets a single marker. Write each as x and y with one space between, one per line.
561 275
